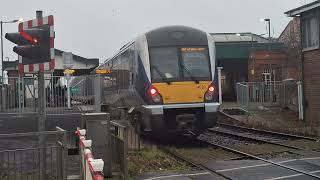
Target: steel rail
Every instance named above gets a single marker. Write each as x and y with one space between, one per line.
261 159
255 139
200 166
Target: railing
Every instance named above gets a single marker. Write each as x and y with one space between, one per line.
242 95
22 157
123 140
91 169
254 95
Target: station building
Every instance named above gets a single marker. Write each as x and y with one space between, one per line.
309 22
248 57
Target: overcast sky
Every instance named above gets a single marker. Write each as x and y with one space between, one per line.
97 28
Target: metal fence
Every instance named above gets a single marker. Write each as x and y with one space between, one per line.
22 157
254 95
123 140
63 94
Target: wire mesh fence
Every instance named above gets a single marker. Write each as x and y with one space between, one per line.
255 95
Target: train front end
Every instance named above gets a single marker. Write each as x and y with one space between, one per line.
183 92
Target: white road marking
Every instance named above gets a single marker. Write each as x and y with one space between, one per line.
294 175
258 165
177 175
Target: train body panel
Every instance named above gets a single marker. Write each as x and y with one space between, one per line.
168 76
182 92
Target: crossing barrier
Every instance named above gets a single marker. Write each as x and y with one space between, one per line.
91 169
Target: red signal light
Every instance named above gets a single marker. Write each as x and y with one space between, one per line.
26 36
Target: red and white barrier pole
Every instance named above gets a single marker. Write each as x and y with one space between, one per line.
94 166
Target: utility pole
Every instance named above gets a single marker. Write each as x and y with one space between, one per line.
269 57
270 63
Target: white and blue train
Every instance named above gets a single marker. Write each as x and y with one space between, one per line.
166 79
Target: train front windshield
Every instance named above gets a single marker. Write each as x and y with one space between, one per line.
169 64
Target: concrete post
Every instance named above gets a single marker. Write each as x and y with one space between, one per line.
98 130
97 93
220 86
300 101
42 124
68 91
42 116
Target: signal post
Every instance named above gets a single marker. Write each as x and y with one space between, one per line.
35 44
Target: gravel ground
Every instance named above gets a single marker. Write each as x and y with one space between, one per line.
248 146
225 140
279 155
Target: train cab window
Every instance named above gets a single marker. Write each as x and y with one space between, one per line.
195 63
164 64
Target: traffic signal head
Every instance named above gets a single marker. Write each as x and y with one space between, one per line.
32 44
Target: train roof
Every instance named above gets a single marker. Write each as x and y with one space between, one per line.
176 36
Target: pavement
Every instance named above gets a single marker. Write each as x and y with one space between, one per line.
249 170
201 175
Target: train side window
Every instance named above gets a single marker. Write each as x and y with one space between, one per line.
126 69
131 63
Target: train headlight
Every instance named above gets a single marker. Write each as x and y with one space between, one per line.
209 95
155 95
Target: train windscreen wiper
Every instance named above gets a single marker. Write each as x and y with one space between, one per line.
163 77
190 74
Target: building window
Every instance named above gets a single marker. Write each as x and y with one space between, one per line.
310 31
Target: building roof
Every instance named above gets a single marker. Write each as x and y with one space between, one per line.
238 37
94 61
297 11
13 65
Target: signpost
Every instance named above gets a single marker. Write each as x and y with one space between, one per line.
75 89
68 65
67 60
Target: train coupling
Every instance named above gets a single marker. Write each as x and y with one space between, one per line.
185 121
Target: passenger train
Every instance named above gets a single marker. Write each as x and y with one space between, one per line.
165 80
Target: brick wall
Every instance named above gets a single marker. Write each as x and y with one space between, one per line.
311 68
291 38
261 60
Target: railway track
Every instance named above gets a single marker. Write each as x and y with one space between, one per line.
193 163
245 154
269 137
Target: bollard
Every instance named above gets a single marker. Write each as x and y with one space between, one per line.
98 130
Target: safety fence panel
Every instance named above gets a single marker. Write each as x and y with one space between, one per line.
23 157
257 95
123 139
63 94
71 94
18 94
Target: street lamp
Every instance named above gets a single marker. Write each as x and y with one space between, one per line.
270 65
1 24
